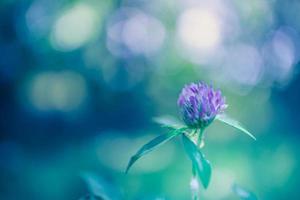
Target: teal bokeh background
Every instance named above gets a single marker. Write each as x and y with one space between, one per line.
80 82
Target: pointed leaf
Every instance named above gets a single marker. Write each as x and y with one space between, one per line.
168 121
153 144
234 123
99 188
200 164
243 193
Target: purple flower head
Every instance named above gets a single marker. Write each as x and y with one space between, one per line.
199 104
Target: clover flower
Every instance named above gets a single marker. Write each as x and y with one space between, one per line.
199 104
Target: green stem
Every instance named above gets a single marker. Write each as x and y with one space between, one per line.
195 194
200 137
194 170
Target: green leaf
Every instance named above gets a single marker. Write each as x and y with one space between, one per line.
168 122
153 144
233 123
200 164
99 188
243 193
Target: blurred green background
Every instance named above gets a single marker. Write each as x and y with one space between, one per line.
81 80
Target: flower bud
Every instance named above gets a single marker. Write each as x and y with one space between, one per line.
199 104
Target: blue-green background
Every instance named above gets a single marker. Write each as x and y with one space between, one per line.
80 82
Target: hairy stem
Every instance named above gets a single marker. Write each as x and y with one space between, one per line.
200 142
194 181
